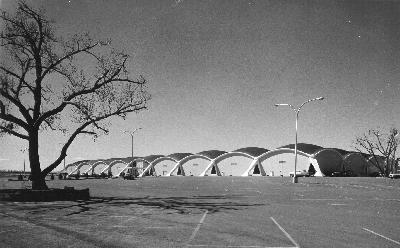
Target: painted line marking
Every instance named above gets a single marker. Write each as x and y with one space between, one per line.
310 199
122 226
197 228
247 189
379 199
160 227
242 246
338 204
286 233
380 235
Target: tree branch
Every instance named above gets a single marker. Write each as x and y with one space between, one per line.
12 132
67 56
11 118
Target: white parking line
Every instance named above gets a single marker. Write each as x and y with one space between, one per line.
197 228
123 226
286 234
380 235
160 227
239 246
242 246
311 199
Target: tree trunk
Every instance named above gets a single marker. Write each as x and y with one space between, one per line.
38 180
39 183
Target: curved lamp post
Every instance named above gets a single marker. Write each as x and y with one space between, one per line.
131 134
295 180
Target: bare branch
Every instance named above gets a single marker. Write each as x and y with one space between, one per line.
11 118
93 94
380 147
5 129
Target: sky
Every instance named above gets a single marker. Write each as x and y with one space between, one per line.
215 69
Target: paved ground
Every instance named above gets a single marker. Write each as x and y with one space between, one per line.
210 212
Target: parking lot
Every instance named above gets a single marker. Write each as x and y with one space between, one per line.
210 212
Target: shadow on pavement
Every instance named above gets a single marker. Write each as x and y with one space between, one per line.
182 205
34 212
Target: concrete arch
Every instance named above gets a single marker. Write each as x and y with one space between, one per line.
184 161
111 164
271 153
251 170
328 149
373 168
127 165
149 163
84 168
67 167
78 167
194 156
252 150
224 155
157 161
75 164
355 164
212 154
135 161
266 162
232 154
95 164
330 161
233 169
212 166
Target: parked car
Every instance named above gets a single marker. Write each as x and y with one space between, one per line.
394 175
302 173
130 174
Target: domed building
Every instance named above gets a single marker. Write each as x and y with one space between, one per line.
247 161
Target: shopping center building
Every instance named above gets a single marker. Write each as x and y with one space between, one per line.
248 161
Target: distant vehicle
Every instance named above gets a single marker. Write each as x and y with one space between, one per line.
394 175
337 174
130 174
302 173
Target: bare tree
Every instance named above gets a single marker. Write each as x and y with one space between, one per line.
47 83
382 147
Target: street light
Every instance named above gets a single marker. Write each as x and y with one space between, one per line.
23 152
297 118
131 134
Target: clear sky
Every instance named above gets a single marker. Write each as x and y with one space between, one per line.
216 68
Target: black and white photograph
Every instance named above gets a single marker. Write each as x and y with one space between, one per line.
199 123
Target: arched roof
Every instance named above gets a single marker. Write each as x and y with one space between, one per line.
125 159
341 151
232 154
304 147
179 156
151 158
252 151
211 153
194 156
77 163
281 150
352 154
